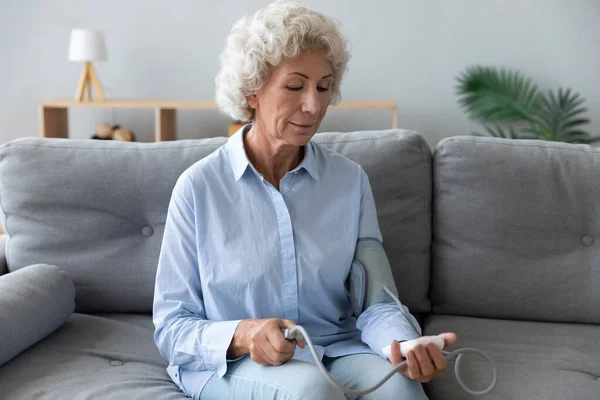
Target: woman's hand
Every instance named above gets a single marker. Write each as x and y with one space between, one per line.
423 362
262 338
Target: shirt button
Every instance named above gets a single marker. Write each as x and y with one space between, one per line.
587 240
287 189
147 231
116 363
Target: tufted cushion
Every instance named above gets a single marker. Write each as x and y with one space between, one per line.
34 302
97 208
516 230
108 356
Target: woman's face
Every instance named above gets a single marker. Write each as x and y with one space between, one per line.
294 99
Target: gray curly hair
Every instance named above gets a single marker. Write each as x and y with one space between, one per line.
257 44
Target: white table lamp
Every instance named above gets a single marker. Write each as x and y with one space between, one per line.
87 45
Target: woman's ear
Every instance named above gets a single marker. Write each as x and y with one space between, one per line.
252 101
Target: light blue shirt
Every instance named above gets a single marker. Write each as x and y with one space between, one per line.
235 247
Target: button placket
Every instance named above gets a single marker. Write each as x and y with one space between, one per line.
289 178
288 254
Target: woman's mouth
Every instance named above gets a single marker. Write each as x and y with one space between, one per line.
302 125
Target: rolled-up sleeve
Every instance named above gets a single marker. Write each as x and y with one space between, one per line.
183 334
382 322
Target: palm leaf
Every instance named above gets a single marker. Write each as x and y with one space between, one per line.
581 137
590 141
561 115
539 131
490 95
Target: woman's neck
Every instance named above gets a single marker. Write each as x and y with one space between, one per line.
271 157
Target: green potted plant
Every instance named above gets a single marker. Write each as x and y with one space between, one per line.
509 105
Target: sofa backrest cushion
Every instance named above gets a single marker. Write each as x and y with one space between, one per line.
516 230
398 164
98 208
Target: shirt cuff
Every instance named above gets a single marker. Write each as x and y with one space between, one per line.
381 338
216 339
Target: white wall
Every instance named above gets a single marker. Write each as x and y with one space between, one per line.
404 50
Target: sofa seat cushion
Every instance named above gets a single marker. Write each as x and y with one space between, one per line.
92 357
535 360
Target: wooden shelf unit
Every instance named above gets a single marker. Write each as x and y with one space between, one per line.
54 116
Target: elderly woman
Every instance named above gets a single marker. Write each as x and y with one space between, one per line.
260 236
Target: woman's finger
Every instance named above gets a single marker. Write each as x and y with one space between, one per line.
264 350
414 371
279 342
449 338
275 356
396 354
425 364
256 354
286 323
437 357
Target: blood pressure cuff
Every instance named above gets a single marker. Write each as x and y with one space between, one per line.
369 272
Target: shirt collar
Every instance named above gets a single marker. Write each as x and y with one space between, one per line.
309 162
237 154
239 159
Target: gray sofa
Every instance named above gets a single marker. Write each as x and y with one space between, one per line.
495 240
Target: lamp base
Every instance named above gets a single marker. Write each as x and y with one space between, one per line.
89 77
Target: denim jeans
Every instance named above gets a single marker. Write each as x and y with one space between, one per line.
299 380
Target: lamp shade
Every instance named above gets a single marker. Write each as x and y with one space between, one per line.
87 45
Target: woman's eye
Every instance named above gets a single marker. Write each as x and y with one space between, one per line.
294 88
322 89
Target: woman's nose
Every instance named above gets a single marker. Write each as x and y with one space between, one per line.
311 104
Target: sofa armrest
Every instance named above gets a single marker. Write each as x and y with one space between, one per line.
3 265
34 302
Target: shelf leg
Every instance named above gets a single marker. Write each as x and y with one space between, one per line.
165 125
54 122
